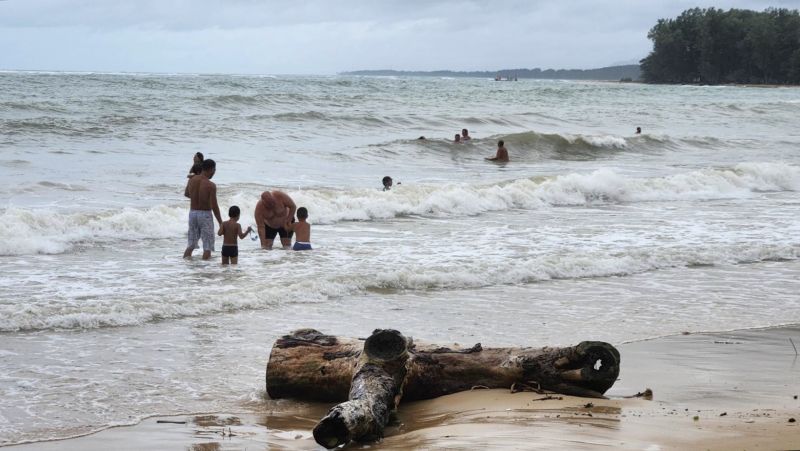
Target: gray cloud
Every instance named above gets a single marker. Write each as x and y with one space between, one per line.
317 36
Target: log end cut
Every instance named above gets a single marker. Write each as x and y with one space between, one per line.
588 369
332 431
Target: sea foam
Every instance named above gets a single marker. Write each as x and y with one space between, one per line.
40 231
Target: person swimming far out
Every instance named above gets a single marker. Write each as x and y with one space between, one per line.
457 138
502 154
465 135
387 183
638 130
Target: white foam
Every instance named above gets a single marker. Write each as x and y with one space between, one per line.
42 231
609 141
357 276
45 232
601 186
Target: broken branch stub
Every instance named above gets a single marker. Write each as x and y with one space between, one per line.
374 394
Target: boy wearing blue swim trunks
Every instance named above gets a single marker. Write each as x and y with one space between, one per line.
302 231
231 229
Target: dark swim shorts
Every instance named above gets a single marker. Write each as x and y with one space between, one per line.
270 232
230 250
300 246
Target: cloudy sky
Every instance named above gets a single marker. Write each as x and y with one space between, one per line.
329 36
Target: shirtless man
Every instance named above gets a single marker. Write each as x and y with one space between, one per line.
203 194
465 135
274 210
502 153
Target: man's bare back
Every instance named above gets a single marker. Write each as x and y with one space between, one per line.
202 193
203 196
502 154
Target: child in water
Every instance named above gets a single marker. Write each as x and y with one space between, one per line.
197 163
231 229
302 231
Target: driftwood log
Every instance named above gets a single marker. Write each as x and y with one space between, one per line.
310 365
374 393
371 375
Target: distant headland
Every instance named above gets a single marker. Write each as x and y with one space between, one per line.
630 72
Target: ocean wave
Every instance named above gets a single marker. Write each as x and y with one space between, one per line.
567 146
42 231
15 163
38 106
602 186
50 125
45 232
537 146
473 273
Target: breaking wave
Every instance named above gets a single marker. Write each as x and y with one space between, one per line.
142 307
46 232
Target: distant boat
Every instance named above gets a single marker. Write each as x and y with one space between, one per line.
500 78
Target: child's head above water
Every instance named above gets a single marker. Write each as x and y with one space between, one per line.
234 212
302 213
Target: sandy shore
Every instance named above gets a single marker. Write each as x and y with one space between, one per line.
734 390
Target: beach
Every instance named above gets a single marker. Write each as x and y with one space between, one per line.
589 232
733 390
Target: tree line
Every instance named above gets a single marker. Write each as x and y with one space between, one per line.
630 72
713 46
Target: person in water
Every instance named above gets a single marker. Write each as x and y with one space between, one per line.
457 138
273 210
638 130
231 230
203 195
465 135
197 165
302 231
502 153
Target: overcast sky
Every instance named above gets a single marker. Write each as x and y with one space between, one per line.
329 36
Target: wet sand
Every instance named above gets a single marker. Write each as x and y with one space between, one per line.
734 390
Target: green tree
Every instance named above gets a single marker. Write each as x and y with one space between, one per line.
716 46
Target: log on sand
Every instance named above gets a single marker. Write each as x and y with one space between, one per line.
310 365
313 366
374 393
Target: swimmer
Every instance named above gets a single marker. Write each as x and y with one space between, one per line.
502 153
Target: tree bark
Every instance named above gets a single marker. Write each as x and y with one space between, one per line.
375 392
310 365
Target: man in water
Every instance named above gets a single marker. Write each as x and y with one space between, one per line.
638 130
457 138
203 195
502 153
387 183
465 135
273 211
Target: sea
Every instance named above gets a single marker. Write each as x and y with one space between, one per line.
590 232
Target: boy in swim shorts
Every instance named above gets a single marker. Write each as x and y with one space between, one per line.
231 229
302 231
